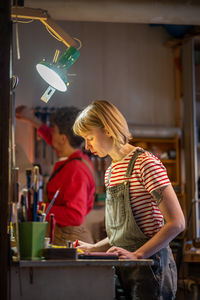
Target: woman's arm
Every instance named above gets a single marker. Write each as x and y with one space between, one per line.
101 246
174 224
26 114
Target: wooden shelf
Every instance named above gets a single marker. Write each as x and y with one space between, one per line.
168 161
192 257
159 146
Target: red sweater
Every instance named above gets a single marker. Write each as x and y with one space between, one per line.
76 184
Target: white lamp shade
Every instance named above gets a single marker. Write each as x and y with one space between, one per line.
51 77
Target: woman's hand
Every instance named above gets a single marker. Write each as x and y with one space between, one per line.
86 247
24 113
122 253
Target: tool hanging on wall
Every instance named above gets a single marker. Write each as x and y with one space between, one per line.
36 181
37 139
44 154
28 184
45 120
24 204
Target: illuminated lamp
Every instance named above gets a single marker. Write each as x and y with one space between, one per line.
55 73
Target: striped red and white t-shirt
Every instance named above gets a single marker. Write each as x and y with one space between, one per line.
149 174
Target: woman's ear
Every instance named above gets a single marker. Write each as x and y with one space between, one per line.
64 138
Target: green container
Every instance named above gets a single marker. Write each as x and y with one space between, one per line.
31 240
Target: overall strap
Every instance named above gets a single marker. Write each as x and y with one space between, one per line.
130 165
132 162
74 158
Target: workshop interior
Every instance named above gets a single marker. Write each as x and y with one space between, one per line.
144 56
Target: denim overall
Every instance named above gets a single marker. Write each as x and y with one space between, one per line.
141 282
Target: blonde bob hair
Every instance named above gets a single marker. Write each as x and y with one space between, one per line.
103 114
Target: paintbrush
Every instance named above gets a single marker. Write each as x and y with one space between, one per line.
50 205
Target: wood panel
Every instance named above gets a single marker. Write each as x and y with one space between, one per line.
127 64
4 142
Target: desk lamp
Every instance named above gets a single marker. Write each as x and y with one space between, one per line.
55 73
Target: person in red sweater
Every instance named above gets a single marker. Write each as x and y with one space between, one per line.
73 174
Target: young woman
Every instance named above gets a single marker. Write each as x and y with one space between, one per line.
142 211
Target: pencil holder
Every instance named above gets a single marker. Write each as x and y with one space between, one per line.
31 240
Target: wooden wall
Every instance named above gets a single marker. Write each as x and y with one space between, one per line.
127 64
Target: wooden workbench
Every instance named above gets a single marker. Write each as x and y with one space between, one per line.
67 279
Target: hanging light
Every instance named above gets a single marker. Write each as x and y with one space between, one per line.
55 73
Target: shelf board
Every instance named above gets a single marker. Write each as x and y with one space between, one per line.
192 257
168 161
155 140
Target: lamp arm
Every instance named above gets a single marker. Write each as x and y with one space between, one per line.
59 32
19 12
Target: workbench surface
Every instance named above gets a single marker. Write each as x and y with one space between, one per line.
84 262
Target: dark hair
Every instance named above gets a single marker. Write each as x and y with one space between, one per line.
64 118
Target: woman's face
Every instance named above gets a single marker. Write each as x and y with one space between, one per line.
98 142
